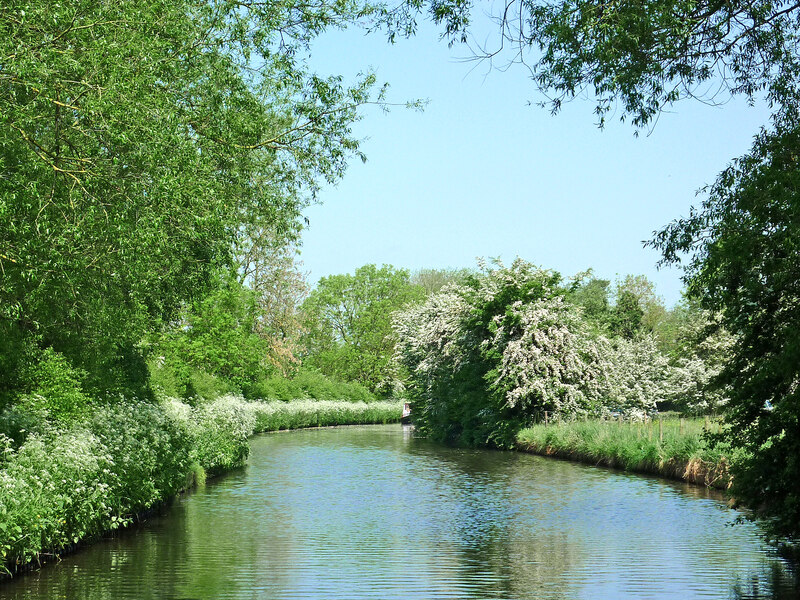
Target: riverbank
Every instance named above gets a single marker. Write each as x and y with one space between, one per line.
671 448
64 487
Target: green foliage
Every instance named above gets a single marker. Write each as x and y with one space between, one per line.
348 320
47 384
591 294
743 244
309 384
626 317
214 347
672 448
635 58
138 141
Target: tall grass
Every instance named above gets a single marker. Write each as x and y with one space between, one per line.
273 416
674 448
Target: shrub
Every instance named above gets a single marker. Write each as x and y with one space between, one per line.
221 432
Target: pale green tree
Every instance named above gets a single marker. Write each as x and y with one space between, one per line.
348 322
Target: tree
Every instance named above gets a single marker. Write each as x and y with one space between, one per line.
743 262
626 317
433 280
267 264
701 347
215 335
591 294
637 376
137 138
635 58
485 358
348 318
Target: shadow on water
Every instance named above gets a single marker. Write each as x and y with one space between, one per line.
779 583
373 513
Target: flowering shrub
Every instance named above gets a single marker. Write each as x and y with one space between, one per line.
705 346
61 486
548 359
485 358
150 451
273 416
221 432
54 492
637 376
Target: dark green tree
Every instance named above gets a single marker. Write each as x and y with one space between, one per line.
626 317
591 294
743 245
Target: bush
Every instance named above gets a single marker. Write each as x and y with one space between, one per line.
150 453
181 380
221 433
63 485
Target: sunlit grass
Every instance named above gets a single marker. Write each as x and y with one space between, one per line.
675 448
273 416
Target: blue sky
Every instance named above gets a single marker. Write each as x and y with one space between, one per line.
482 172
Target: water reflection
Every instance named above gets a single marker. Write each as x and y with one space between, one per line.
372 512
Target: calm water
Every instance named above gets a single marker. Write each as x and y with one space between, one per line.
370 512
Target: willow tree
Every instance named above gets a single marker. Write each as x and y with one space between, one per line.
138 139
634 58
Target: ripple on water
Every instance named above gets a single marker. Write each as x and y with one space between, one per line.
368 513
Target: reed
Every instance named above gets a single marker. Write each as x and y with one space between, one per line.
672 448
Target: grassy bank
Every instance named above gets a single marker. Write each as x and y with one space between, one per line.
273 416
63 486
671 448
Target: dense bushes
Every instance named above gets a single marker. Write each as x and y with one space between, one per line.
484 358
64 485
308 383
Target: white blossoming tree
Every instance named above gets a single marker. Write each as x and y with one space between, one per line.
548 361
485 358
704 346
637 376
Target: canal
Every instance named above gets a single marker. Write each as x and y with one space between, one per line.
373 513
